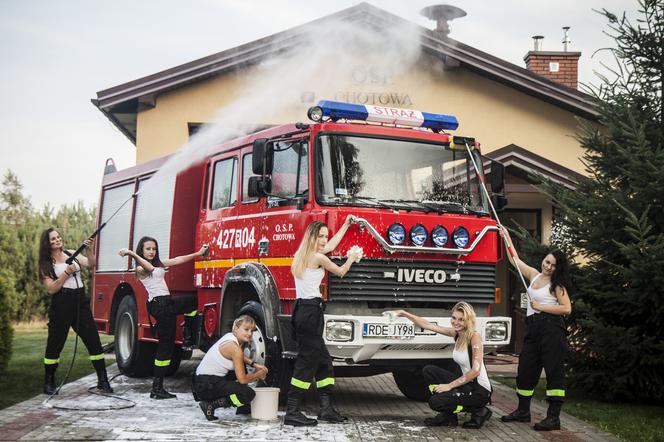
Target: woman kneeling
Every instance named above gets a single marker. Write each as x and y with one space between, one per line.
221 378
450 393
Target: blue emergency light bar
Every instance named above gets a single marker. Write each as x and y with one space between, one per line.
336 110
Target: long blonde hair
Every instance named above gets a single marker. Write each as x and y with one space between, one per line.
468 321
306 249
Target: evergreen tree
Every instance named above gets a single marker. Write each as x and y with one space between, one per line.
615 220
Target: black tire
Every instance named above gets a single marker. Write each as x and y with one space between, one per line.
267 352
411 383
134 358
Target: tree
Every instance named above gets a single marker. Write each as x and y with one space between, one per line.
9 247
615 220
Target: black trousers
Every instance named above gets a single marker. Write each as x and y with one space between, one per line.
467 397
71 308
313 359
165 310
544 346
210 388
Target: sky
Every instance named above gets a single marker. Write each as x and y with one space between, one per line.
55 56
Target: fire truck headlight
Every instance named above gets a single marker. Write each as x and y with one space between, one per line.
418 234
439 236
315 113
339 331
495 331
461 237
396 233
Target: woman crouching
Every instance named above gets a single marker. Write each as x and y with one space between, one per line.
450 393
221 378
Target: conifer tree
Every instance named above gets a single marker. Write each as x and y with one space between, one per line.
616 220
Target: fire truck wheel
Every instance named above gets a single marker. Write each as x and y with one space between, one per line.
134 358
411 383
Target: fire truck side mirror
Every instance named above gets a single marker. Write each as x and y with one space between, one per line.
259 186
499 202
497 177
261 160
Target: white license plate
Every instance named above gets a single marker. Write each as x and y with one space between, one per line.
421 331
392 330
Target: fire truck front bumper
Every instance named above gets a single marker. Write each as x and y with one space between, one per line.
363 339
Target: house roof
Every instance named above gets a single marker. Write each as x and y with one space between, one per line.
122 103
524 163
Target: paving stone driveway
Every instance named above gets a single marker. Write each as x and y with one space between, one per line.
376 408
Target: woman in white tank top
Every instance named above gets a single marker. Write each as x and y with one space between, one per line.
221 378
545 342
450 393
313 359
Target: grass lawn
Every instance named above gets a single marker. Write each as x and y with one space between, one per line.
630 422
24 377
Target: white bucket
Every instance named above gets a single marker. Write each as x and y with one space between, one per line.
265 404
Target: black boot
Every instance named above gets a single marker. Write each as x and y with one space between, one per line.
552 420
158 391
208 408
49 379
478 418
327 412
102 377
521 414
446 419
293 414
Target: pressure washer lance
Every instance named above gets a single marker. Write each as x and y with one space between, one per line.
96 232
510 249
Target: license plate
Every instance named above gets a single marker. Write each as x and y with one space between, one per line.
421 331
392 330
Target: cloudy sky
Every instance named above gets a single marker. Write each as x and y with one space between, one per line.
55 56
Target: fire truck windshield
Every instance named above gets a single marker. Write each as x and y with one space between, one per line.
397 174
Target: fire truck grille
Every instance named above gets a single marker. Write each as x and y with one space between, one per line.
415 281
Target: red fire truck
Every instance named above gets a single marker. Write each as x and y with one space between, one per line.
422 220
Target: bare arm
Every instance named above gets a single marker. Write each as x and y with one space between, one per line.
325 262
336 239
88 260
143 265
421 322
53 286
528 272
563 308
234 352
184 258
475 366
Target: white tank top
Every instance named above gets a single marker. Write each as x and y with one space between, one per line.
461 358
309 286
155 284
214 363
74 280
541 295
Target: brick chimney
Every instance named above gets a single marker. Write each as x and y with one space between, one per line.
561 67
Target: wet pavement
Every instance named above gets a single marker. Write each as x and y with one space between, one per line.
376 409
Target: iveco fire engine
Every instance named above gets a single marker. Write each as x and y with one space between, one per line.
421 218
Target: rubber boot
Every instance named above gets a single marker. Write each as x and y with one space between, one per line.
49 379
293 414
327 412
102 376
158 391
477 418
208 407
189 335
552 420
521 414
446 419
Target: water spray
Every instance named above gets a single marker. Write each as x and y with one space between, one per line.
510 249
96 232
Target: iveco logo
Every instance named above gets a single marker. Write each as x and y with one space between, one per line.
430 276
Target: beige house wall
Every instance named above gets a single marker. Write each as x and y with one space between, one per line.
495 114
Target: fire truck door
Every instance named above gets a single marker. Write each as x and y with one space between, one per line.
219 226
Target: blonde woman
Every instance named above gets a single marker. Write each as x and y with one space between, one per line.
313 360
450 393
